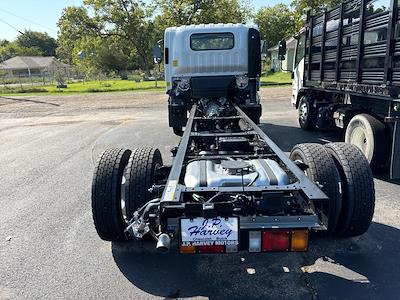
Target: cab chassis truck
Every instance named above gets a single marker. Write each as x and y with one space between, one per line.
346 74
230 187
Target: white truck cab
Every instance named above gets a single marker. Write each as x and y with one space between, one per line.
212 62
298 67
205 50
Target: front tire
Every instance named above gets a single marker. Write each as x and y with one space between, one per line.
358 192
307 114
106 194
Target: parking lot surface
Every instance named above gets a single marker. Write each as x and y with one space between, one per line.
49 248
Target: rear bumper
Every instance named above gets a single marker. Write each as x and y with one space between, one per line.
261 228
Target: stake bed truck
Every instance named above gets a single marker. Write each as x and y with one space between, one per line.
346 74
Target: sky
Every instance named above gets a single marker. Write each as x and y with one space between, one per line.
42 15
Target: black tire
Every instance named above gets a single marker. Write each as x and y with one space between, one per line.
322 170
371 137
140 175
358 192
307 113
106 194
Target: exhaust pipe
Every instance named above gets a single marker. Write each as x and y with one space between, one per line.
163 243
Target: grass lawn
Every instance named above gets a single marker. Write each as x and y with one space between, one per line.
276 78
86 87
116 85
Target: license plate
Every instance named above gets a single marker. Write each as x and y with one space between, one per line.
207 232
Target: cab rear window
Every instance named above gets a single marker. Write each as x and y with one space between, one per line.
212 41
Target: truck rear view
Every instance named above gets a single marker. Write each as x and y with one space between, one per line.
229 188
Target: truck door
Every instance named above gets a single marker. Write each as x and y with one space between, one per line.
298 68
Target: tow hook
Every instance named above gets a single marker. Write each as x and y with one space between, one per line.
138 227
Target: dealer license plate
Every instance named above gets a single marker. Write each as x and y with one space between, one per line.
207 232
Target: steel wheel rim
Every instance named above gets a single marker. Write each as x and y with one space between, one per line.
359 139
303 111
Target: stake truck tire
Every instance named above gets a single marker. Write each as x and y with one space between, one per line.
321 170
307 114
139 176
358 192
106 194
370 136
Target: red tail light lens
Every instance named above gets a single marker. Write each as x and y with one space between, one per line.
211 249
276 240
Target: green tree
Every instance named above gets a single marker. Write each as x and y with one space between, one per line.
39 40
12 49
73 25
302 6
127 20
275 23
185 12
4 43
93 53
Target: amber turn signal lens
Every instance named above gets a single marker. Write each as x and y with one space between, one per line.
187 249
299 240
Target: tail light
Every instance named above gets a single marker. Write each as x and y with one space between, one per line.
266 241
299 240
276 240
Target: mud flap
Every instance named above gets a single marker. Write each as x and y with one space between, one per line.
395 156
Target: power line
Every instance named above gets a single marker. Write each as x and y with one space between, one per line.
1 20
27 20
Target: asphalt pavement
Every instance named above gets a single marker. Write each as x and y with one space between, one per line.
49 248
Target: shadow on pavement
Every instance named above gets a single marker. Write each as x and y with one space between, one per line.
360 268
288 136
29 100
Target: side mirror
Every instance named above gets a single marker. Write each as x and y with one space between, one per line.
264 49
157 56
282 50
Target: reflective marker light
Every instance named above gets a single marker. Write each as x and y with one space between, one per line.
254 241
299 240
187 249
211 249
275 240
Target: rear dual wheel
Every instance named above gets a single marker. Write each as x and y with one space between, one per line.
321 170
346 178
358 191
121 183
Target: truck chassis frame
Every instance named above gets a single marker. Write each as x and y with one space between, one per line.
172 201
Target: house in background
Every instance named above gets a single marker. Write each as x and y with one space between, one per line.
287 64
34 66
